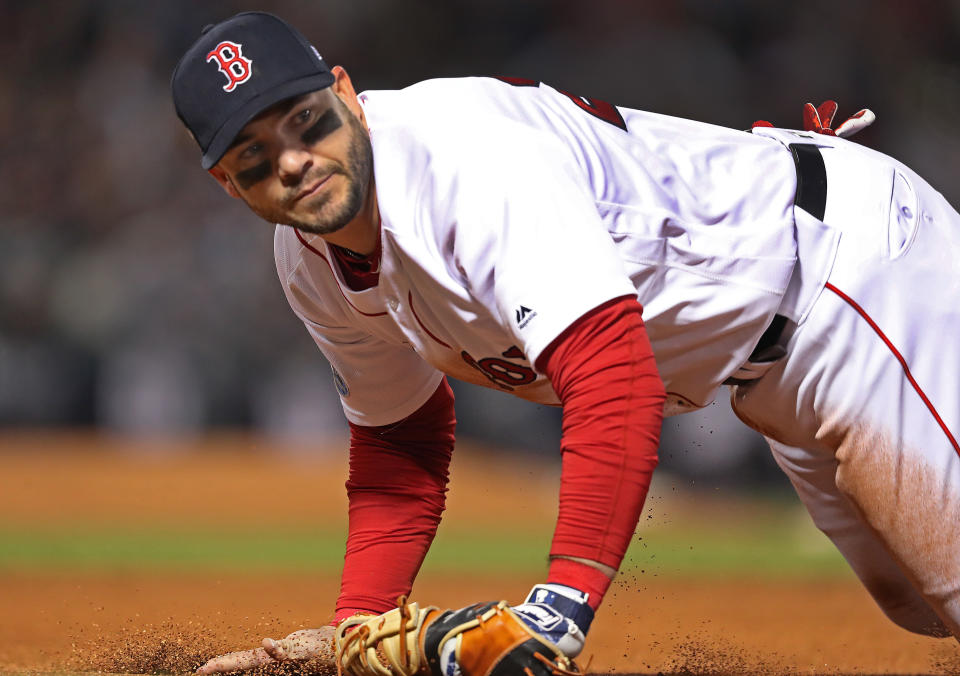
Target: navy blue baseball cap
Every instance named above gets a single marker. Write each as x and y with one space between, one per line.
235 70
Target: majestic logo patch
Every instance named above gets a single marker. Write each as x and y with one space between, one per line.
232 63
524 315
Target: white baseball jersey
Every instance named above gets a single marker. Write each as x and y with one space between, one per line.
508 210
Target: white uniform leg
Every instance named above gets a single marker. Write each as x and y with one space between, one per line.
814 478
870 388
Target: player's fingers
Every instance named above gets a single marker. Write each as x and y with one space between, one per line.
238 661
811 118
826 111
856 122
275 649
307 644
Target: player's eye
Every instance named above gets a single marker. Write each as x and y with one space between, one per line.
251 151
304 116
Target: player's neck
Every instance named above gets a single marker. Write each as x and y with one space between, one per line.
362 234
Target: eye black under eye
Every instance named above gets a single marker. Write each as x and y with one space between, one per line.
253 175
328 123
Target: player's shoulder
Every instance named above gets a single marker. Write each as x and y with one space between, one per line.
433 97
444 116
435 131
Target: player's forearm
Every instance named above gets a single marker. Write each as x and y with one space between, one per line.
396 490
605 374
381 564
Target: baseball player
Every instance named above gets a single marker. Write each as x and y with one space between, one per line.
621 264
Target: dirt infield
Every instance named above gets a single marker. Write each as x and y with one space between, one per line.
163 623
127 620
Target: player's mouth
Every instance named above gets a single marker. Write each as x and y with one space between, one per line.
312 189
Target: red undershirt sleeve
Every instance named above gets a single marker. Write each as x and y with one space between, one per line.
396 490
603 370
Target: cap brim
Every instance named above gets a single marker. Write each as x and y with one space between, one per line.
231 128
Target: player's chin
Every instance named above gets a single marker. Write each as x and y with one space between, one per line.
328 212
313 229
321 222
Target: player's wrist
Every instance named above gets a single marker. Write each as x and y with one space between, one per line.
559 613
577 573
344 613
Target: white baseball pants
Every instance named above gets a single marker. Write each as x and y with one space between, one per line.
863 414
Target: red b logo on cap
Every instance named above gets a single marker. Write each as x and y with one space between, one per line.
232 63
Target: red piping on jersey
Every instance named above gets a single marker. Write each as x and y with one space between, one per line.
429 333
903 363
306 244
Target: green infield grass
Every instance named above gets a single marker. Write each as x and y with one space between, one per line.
767 549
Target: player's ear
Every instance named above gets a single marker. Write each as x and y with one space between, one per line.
221 177
343 87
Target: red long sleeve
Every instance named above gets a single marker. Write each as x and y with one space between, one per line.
397 491
604 372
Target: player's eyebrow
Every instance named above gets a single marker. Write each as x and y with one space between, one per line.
326 124
253 175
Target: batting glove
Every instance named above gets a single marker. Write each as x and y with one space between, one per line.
819 120
558 613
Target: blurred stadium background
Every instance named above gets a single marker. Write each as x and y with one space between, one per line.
136 299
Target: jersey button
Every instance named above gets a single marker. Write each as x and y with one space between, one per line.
392 302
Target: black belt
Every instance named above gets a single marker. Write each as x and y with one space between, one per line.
811 179
811 197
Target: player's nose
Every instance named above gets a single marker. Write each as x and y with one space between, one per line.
293 163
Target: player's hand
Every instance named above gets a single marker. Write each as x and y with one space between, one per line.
302 645
820 120
412 640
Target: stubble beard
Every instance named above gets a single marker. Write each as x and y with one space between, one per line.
357 174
